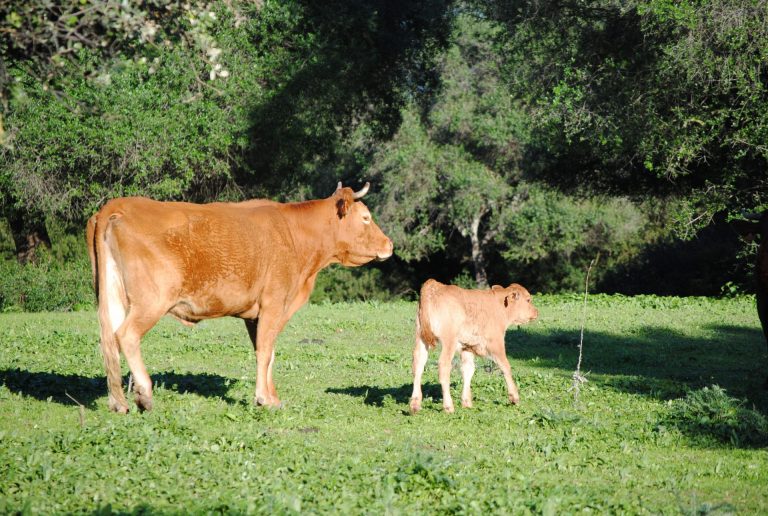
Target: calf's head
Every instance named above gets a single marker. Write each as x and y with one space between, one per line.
359 239
517 304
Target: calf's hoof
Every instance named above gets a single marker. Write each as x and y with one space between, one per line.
117 405
514 399
144 402
415 406
466 403
448 409
268 403
119 408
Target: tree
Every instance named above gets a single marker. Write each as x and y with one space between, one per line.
647 97
196 102
456 180
51 54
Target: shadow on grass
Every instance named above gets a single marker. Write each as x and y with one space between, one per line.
655 361
375 396
86 390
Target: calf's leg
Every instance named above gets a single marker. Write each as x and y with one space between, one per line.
467 370
444 370
499 356
420 354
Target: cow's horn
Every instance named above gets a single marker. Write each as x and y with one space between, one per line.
338 186
362 192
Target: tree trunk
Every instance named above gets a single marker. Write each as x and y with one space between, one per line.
29 235
478 258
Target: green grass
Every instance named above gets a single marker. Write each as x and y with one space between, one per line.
649 433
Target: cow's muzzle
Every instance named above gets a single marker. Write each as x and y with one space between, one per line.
383 255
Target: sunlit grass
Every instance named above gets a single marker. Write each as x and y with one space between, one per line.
633 443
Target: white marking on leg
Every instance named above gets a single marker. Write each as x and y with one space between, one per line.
114 290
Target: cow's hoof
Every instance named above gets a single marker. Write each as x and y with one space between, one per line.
415 406
466 404
448 409
514 399
144 402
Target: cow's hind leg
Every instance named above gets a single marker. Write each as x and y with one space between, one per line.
137 323
110 351
467 370
420 355
444 370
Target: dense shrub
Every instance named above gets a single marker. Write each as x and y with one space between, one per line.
710 414
46 286
338 283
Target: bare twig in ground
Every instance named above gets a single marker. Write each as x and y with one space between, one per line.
130 384
578 378
81 407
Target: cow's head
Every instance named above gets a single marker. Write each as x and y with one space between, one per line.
359 239
517 304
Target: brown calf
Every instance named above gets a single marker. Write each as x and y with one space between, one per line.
470 321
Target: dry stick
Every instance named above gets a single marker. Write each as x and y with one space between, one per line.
82 409
578 378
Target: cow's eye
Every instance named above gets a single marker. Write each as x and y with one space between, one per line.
366 219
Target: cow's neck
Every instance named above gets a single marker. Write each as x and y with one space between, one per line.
314 235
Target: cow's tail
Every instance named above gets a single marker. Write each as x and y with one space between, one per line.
108 285
423 327
90 239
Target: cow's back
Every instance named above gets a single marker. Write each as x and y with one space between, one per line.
204 260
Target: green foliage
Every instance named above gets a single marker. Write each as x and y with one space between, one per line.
143 132
711 413
453 181
344 441
45 286
337 284
645 96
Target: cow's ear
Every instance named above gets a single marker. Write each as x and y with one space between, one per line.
343 202
497 287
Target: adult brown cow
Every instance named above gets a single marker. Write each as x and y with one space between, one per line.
472 322
758 226
256 260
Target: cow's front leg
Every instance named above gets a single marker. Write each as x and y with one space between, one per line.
263 335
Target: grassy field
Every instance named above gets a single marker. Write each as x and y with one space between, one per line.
650 432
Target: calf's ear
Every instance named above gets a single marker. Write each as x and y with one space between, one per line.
514 295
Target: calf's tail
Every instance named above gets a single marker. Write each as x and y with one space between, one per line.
423 327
